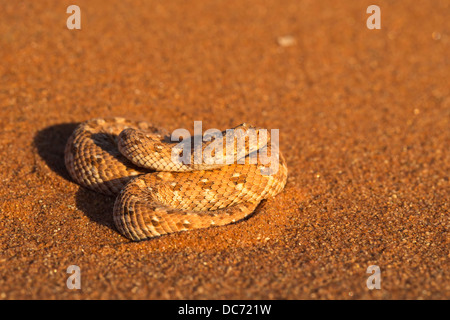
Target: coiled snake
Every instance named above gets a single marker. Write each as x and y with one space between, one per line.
157 195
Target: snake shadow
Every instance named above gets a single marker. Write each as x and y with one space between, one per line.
50 143
97 207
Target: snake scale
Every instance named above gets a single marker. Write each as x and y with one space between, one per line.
156 195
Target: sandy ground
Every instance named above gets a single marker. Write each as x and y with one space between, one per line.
364 126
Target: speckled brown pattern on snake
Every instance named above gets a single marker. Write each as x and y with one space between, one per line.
152 203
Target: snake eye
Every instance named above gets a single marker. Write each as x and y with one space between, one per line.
244 126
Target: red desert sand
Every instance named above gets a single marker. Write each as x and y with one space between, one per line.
364 118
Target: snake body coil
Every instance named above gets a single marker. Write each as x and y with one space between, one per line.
156 195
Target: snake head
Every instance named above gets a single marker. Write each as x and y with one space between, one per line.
255 138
